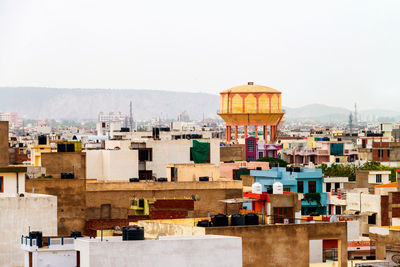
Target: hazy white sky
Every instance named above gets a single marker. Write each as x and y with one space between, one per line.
330 52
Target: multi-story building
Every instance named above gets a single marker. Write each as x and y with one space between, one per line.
299 180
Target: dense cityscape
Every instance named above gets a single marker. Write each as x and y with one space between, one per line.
199 134
78 191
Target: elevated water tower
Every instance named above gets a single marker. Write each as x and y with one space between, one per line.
251 105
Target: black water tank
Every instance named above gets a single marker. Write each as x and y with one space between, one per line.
37 235
237 220
251 219
75 234
134 233
220 220
289 169
296 169
204 179
70 148
259 169
205 223
162 179
42 140
60 147
134 180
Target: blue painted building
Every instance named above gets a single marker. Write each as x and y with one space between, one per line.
298 180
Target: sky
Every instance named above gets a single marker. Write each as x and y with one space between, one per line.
327 52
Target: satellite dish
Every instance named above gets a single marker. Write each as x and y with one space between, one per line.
333 218
196 197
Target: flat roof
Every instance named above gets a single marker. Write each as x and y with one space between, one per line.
13 168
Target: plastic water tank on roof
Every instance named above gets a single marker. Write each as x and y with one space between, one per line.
277 188
256 188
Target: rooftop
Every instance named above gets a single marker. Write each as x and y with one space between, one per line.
251 88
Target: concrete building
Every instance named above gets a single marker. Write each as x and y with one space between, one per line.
298 180
57 163
20 211
336 192
231 170
56 251
368 179
180 251
192 172
112 164
251 105
267 245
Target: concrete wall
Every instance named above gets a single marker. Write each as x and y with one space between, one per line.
115 144
59 162
234 152
226 169
10 185
71 199
118 194
153 228
176 152
112 164
17 214
4 157
192 172
284 245
44 258
201 251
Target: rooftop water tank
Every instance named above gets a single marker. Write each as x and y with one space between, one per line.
277 188
256 188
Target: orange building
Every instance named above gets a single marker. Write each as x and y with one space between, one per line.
251 105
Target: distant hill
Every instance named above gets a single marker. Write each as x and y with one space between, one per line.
56 103
317 112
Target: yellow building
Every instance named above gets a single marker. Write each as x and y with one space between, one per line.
36 153
251 105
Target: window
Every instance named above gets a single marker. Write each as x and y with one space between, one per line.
337 160
1 184
328 187
250 145
300 187
388 153
379 178
372 219
337 186
146 154
282 213
174 174
260 154
338 210
286 189
312 187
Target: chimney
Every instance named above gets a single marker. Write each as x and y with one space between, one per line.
4 160
250 83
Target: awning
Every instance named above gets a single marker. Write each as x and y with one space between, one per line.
368 213
238 200
350 212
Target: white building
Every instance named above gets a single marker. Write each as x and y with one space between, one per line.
112 164
20 212
177 251
58 252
